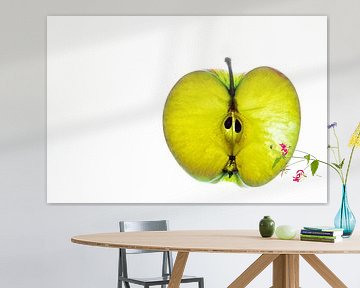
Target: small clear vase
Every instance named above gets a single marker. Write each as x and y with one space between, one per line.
345 219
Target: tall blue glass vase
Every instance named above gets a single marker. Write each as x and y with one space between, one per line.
345 219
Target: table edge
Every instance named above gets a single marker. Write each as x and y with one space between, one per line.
204 250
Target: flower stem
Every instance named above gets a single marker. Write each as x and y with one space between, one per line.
348 166
306 153
333 152
295 162
339 156
337 145
323 162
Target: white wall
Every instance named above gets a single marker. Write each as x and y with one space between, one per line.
35 248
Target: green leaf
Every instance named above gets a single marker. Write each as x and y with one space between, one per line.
276 161
342 163
314 166
336 165
339 166
307 157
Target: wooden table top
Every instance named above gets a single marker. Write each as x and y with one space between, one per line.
216 241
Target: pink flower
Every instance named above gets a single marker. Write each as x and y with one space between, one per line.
284 149
298 176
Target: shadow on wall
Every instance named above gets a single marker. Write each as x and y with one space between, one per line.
173 38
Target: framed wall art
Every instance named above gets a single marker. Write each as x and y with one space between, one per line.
184 109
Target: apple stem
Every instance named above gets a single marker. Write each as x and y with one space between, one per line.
232 88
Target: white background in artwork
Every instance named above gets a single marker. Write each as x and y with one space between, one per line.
108 79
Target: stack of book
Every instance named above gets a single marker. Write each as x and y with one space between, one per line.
321 234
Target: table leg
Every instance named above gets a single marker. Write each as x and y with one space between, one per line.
178 270
253 270
286 271
324 271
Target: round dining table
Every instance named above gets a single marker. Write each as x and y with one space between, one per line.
283 254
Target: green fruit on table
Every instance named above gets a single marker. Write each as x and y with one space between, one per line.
285 232
224 126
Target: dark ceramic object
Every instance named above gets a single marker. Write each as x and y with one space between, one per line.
267 227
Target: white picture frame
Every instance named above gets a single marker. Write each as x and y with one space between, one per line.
107 81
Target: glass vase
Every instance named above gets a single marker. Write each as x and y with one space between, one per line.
345 219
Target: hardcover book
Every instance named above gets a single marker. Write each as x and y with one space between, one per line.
319 237
326 240
321 232
323 228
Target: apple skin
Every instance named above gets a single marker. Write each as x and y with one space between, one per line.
217 136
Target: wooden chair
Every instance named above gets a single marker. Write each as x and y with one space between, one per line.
167 262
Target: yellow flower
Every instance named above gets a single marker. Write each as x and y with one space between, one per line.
355 138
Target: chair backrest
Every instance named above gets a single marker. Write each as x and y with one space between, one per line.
134 226
131 226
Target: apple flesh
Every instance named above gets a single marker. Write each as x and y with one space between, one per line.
224 126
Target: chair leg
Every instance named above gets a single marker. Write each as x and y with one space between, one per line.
201 283
119 270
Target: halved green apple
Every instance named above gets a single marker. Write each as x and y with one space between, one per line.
221 126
